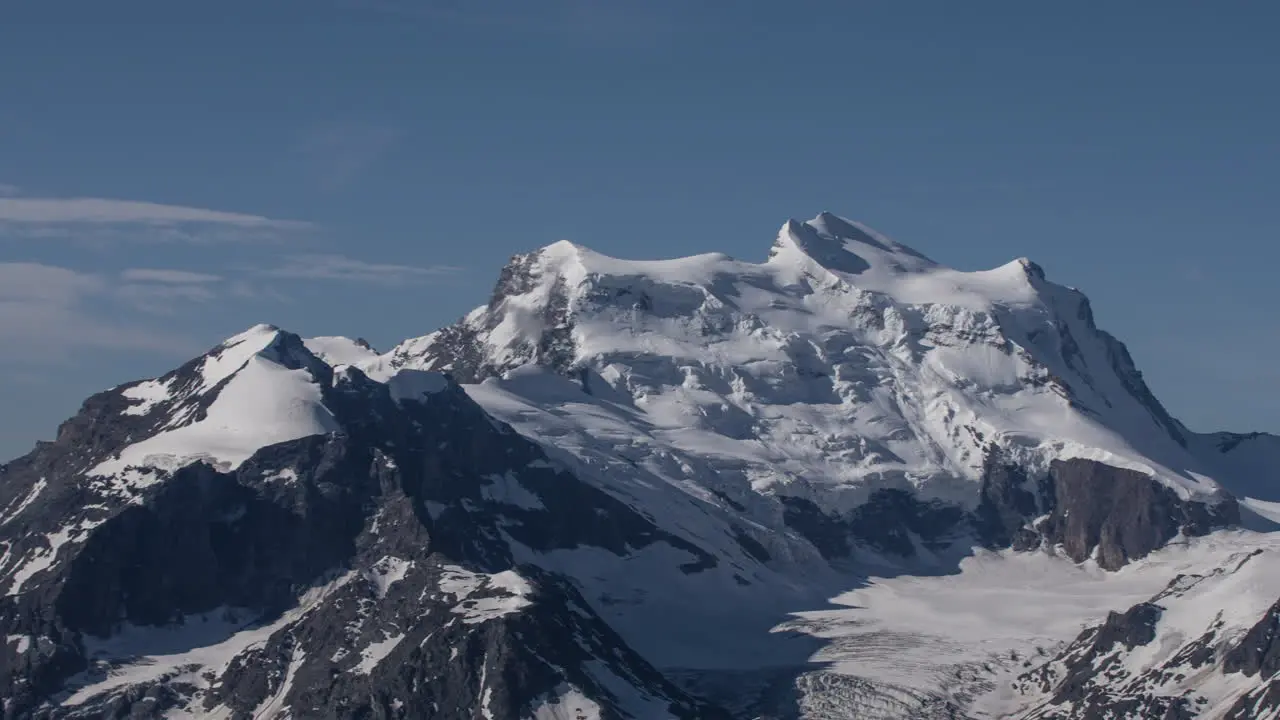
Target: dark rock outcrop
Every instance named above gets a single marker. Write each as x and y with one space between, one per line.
1009 502
1262 702
1089 508
891 521
1258 652
1122 514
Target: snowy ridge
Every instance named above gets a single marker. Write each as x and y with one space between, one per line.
844 363
340 350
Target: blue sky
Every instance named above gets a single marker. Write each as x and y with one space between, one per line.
171 173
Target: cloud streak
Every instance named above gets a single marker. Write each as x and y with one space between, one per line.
47 313
170 277
100 211
345 269
102 223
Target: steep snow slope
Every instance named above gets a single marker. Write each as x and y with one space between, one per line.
844 364
340 350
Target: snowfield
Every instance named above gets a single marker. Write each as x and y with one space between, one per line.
972 633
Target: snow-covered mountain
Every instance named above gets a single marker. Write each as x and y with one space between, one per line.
844 482
845 367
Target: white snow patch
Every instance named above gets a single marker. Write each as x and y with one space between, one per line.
210 642
566 703
387 572
376 652
339 350
44 557
20 642
148 394
25 502
506 489
502 593
271 706
284 475
234 352
415 385
1232 586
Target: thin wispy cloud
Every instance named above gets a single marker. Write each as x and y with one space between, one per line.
36 282
43 211
162 291
7 190
48 313
173 277
106 222
164 298
345 269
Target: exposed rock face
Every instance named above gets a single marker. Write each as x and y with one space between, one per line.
1263 702
1122 514
891 521
1258 652
1088 508
1009 504
368 572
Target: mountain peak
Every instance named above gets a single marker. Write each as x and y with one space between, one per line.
841 245
263 331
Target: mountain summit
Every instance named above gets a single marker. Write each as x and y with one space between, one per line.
631 489
844 246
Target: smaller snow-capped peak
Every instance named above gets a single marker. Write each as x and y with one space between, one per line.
256 388
201 374
415 385
231 354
